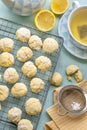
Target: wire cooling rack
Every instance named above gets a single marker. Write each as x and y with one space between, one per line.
8 29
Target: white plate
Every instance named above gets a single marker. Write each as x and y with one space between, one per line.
63 31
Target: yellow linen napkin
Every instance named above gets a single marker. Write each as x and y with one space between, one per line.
65 122
51 126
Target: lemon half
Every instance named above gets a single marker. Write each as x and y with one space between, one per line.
59 6
45 20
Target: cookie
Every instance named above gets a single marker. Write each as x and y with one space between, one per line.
50 45
4 92
29 69
19 90
56 79
35 42
43 63
14 114
37 85
6 59
25 124
11 75
24 54
6 44
23 34
71 69
78 76
33 106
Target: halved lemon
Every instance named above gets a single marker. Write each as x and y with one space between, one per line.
45 20
59 6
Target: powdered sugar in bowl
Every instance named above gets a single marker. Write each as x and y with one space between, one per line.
72 100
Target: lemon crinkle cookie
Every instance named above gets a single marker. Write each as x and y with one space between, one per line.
19 90
37 85
11 75
43 63
6 59
14 114
74 70
50 45
4 92
25 124
24 54
71 69
23 34
56 79
35 42
33 106
29 69
78 76
6 44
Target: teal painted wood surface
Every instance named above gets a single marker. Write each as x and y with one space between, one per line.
64 60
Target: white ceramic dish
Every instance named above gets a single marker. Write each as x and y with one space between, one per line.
63 31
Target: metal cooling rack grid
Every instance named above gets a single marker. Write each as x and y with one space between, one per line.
8 29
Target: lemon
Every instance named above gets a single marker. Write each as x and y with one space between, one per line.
59 6
45 20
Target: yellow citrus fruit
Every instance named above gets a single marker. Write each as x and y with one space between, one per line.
59 6
45 20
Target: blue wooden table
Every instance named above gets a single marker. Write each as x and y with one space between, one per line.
64 60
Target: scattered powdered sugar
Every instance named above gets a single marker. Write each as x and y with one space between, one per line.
76 106
16 112
23 56
25 33
23 126
45 60
28 63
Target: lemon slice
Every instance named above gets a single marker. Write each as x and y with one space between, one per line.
45 20
59 6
